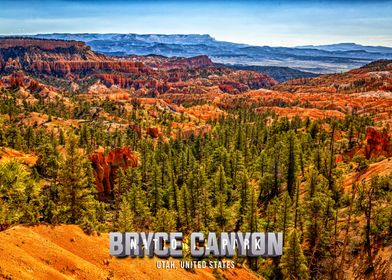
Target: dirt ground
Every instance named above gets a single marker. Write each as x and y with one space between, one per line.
66 252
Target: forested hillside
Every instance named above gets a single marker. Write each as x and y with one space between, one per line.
123 161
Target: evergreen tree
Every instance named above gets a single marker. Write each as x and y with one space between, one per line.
374 203
164 221
48 161
19 195
120 188
243 201
285 216
291 163
155 189
223 215
293 262
124 220
184 213
252 211
320 216
76 189
137 198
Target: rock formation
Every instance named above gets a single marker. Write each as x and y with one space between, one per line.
154 132
377 143
106 167
52 60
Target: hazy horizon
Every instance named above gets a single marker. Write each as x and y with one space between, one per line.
182 34
261 23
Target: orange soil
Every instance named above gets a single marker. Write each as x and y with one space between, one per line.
381 168
317 103
205 112
312 113
7 154
66 252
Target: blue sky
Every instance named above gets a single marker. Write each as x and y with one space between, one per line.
274 23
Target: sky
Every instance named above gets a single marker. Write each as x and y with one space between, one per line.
272 23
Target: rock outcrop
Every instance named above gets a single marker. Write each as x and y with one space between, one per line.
201 61
106 167
377 143
26 42
52 60
154 132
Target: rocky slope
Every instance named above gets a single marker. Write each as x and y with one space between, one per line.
65 252
375 76
280 74
365 91
66 62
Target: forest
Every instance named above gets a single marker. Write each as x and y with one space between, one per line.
253 172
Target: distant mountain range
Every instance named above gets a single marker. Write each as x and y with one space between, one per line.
344 47
316 59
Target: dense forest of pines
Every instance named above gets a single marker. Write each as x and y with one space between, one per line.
252 172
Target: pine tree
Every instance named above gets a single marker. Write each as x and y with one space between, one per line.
291 164
276 169
374 203
165 221
263 163
61 137
137 198
243 201
223 213
205 201
184 213
252 211
124 220
76 188
120 188
48 161
293 262
285 213
19 195
155 189
220 185
200 182
320 216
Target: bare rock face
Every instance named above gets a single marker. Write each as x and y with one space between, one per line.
144 75
106 167
196 131
43 44
154 132
81 68
16 79
377 143
59 58
201 61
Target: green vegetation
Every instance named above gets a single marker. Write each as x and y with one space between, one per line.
252 172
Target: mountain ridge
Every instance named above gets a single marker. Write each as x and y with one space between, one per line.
74 62
349 46
307 58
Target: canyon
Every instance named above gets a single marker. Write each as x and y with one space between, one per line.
158 116
194 88
316 59
144 75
